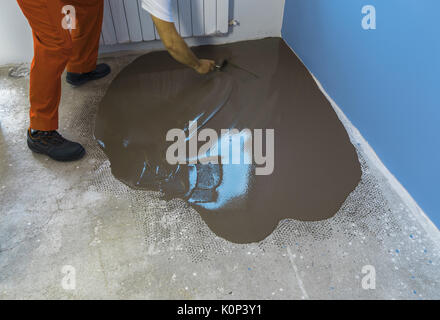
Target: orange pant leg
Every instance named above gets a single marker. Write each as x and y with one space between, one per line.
85 38
52 49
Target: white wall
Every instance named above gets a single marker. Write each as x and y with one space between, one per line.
15 34
258 19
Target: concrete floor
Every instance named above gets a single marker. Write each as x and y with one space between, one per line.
128 244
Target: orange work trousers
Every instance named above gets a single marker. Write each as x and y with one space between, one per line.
55 48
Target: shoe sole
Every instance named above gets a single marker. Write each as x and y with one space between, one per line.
83 82
75 158
77 84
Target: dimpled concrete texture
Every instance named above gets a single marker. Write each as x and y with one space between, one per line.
132 244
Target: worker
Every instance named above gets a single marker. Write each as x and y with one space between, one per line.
56 47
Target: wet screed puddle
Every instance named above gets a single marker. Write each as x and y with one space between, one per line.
276 151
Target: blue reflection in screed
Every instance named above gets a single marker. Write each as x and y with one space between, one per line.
142 173
234 178
102 144
234 185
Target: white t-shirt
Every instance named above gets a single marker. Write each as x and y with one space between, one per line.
161 9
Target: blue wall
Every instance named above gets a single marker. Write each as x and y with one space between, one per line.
387 81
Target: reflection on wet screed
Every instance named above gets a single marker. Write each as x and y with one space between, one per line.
263 87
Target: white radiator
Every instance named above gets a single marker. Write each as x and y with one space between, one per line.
125 20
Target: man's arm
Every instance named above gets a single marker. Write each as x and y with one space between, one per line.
177 47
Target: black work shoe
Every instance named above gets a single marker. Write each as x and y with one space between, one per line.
51 143
78 79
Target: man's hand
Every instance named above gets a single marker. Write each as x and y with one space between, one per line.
177 47
205 66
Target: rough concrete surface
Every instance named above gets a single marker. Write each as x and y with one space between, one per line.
128 244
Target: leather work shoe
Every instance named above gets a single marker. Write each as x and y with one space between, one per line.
78 79
51 143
